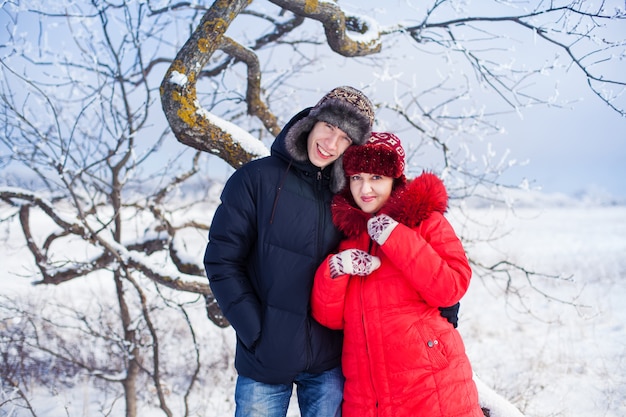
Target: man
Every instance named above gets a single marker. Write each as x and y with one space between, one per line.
270 233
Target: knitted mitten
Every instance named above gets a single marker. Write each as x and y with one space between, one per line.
380 227
353 262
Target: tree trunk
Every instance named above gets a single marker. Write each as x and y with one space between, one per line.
132 367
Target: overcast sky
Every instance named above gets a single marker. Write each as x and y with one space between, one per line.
580 148
571 150
568 150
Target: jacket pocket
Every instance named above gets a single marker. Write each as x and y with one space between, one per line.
433 343
282 343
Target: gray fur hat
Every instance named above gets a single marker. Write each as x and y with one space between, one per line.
345 107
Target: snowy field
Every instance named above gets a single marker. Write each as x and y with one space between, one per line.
567 358
554 346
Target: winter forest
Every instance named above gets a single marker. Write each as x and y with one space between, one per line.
122 119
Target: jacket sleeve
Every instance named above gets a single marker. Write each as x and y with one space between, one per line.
432 258
327 297
232 234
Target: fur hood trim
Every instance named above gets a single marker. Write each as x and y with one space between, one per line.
409 204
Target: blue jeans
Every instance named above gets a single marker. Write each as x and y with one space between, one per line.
319 395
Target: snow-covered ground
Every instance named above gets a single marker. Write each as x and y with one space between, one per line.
567 358
554 346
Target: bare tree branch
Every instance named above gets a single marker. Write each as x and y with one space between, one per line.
336 24
180 102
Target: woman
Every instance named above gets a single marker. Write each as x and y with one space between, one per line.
400 260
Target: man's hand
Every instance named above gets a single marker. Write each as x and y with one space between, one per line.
451 314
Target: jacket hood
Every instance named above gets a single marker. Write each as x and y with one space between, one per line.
409 204
292 148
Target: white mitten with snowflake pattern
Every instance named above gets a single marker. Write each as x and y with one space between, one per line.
353 262
380 227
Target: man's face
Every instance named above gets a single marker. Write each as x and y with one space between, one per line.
326 143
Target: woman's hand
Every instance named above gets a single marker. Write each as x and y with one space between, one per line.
353 262
380 227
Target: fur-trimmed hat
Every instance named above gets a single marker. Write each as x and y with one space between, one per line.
345 107
348 109
383 154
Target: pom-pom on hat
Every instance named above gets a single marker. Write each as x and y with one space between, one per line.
382 154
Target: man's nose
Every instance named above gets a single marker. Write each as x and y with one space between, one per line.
333 140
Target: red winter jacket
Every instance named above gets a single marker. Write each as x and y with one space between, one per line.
400 357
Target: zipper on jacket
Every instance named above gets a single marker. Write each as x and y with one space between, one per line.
319 195
321 212
370 250
367 350
318 182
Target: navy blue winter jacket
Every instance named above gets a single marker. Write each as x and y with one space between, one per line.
271 231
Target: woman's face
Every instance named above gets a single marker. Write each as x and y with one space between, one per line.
370 191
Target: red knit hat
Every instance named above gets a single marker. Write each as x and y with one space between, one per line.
382 154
